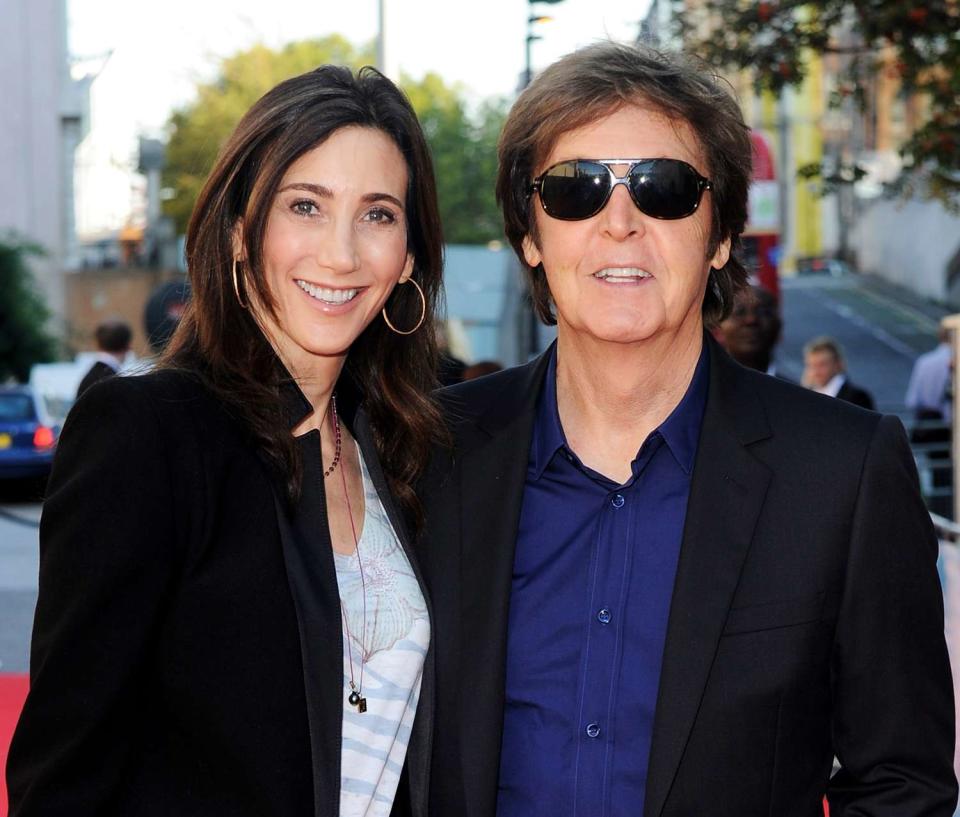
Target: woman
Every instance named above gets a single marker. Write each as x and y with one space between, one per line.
230 621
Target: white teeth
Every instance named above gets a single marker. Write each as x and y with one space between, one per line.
330 296
621 274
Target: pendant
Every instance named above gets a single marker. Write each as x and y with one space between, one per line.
356 700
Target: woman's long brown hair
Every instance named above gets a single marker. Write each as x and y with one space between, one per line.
220 341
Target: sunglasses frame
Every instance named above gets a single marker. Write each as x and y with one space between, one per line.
703 183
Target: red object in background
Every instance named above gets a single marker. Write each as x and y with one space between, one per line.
13 692
761 239
43 437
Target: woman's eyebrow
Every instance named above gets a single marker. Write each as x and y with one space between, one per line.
326 193
316 189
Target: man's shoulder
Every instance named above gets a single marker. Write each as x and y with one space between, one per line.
792 408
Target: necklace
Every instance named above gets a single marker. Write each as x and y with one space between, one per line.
355 698
336 439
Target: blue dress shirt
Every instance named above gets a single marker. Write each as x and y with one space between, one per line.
592 581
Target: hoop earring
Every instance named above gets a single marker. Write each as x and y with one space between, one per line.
423 312
236 288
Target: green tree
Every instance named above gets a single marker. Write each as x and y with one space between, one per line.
463 145
199 129
773 37
24 339
464 150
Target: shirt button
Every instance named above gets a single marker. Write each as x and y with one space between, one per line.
604 616
593 730
617 501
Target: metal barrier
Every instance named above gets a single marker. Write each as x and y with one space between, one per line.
931 444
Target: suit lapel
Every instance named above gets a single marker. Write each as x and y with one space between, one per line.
726 496
311 574
492 471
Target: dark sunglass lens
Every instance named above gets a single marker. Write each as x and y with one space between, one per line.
665 188
574 190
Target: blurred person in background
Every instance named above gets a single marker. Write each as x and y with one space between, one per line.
230 618
751 332
663 583
113 339
825 371
929 394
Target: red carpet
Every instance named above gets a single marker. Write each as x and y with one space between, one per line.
13 690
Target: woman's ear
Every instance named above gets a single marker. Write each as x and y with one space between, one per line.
236 238
407 269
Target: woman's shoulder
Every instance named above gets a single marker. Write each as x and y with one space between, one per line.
158 402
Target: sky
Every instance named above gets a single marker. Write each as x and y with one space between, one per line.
148 58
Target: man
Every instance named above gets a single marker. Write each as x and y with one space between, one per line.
825 371
663 584
113 343
752 329
928 392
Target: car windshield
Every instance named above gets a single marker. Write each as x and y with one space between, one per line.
14 407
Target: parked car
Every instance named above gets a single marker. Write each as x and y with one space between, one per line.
27 442
823 266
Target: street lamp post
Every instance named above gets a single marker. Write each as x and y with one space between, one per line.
533 19
527 316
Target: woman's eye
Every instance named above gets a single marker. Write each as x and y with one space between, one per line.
381 215
304 207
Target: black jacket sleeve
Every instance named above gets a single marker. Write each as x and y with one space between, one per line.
893 707
107 562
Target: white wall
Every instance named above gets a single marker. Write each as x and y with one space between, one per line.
909 243
33 77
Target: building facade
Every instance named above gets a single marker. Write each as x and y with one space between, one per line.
42 120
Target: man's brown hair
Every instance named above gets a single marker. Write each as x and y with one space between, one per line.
596 81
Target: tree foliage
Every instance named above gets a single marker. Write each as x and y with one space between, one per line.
24 339
199 129
919 44
463 145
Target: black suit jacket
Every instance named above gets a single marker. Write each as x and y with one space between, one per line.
806 619
187 650
854 394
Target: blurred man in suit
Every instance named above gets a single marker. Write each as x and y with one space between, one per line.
113 343
825 371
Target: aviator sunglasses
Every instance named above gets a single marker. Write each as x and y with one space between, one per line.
580 188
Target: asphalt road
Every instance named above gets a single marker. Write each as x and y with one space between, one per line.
881 328
18 580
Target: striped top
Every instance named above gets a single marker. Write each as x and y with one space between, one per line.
395 644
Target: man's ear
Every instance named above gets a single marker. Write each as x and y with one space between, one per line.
722 255
531 253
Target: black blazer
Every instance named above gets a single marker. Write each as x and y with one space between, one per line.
806 618
854 394
187 650
98 371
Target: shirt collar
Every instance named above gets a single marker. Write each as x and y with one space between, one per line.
680 431
833 386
